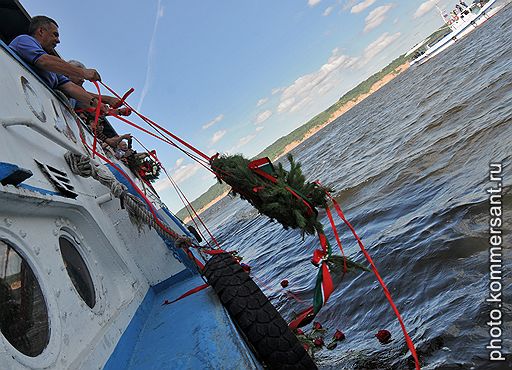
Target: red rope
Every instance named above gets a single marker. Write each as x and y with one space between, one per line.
147 120
182 196
408 339
164 139
125 96
335 230
96 118
146 200
204 156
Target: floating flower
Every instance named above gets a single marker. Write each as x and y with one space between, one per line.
339 335
299 332
306 346
317 325
319 342
284 283
384 336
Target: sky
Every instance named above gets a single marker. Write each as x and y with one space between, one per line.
232 76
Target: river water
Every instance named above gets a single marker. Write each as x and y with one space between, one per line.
410 168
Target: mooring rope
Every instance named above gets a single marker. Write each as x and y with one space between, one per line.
139 215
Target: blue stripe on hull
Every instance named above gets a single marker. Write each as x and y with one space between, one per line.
193 333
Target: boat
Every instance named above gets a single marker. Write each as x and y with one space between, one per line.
95 271
463 20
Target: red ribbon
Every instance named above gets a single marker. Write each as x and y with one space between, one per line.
190 292
408 339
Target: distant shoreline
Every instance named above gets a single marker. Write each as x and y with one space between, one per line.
346 107
339 112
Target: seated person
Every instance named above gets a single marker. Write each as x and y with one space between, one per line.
126 153
37 50
122 150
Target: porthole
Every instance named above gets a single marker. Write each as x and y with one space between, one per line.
33 101
23 312
77 271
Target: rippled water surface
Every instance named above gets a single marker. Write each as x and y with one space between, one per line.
410 167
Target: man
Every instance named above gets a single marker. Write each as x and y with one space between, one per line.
36 49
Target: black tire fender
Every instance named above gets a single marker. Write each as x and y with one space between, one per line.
260 323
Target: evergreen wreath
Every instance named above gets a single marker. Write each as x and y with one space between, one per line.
145 167
275 200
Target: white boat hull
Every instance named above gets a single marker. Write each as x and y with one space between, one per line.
464 27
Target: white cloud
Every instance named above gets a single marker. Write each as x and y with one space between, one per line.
374 48
277 90
261 102
259 128
217 119
241 142
349 4
424 8
358 8
184 172
246 139
179 173
313 2
328 11
302 103
285 104
162 184
326 88
262 117
376 17
296 95
151 54
217 136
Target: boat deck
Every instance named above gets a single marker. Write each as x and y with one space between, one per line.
193 333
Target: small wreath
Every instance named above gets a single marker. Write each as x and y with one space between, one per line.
147 168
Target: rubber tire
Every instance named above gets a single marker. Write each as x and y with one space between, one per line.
259 321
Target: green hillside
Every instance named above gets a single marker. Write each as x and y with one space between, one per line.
276 148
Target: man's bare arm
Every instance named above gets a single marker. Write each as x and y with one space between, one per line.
55 64
77 92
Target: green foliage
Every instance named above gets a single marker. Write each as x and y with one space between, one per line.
275 200
438 35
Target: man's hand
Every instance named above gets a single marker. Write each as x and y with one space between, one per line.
112 101
91 74
104 109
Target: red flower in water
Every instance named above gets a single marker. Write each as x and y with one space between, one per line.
284 283
317 325
306 346
319 342
339 335
299 332
384 336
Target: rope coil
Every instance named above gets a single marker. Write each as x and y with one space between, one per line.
81 165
